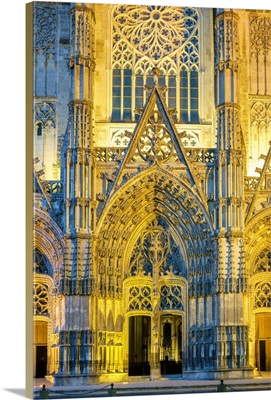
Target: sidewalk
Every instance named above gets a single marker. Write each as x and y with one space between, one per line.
163 386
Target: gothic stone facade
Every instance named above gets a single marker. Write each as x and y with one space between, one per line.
152 192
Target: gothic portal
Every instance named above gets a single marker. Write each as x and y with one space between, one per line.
151 196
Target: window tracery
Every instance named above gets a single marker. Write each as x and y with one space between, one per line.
171 297
173 27
263 262
174 49
156 252
45 114
140 298
41 263
260 52
260 36
262 295
40 299
260 116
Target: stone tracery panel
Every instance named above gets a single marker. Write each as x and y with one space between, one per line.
171 297
140 298
40 299
174 26
263 262
260 36
262 295
44 25
260 53
45 22
156 249
41 263
45 114
174 49
260 122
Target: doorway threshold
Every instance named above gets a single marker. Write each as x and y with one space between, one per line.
140 378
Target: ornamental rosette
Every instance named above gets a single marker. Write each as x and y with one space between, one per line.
155 31
44 26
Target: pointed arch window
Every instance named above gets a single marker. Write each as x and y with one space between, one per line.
263 262
42 264
174 49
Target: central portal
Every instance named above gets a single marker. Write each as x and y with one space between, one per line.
139 345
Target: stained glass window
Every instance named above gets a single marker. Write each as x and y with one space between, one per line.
173 49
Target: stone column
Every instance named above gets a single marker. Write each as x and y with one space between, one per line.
230 274
77 282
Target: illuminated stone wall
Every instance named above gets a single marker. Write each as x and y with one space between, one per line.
149 215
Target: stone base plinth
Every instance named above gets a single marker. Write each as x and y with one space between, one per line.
219 374
113 377
75 380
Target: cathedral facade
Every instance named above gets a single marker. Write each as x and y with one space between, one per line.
152 178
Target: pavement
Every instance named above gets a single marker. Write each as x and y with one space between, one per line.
166 385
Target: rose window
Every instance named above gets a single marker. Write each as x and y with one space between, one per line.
44 26
173 26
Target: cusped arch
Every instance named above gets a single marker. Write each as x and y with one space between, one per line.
155 192
157 184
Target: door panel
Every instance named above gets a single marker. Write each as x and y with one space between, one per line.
139 345
263 341
41 361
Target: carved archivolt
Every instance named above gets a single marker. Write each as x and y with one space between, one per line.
257 231
258 253
153 218
48 239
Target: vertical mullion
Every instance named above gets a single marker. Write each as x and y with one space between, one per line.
121 93
167 95
178 90
133 89
144 91
188 96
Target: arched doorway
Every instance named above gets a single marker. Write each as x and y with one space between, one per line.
42 284
155 290
139 345
171 344
40 348
263 341
261 302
